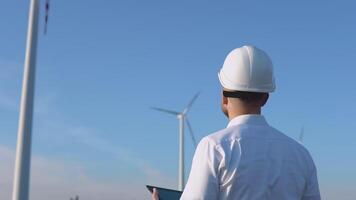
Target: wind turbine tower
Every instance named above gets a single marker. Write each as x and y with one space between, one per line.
23 146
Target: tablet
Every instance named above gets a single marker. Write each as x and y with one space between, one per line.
165 194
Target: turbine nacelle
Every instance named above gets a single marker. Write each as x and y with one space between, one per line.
182 115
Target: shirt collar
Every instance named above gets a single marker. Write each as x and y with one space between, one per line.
248 119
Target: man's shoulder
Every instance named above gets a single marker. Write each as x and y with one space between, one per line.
221 136
233 133
294 148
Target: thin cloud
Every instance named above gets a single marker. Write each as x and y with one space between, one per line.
54 180
150 174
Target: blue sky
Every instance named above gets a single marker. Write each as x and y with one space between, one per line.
103 65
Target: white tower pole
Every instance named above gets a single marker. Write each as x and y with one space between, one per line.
23 151
181 153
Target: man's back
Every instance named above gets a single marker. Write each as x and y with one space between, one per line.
251 160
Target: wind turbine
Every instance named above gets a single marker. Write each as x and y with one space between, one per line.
301 135
24 135
183 119
23 147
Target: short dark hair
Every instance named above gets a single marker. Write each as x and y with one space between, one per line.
244 96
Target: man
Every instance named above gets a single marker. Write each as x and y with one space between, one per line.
249 160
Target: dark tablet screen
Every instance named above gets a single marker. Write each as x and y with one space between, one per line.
165 194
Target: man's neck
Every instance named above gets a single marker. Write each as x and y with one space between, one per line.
236 113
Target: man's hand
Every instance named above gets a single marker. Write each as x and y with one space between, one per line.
155 194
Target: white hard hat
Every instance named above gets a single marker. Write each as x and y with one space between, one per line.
247 69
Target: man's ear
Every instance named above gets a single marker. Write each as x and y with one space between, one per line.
264 99
224 104
224 100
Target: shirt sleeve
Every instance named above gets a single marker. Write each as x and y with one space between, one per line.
203 178
312 187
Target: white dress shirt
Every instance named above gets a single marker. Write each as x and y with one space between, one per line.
250 160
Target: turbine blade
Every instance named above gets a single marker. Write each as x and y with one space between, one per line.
186 110
166 110
191 132
301 135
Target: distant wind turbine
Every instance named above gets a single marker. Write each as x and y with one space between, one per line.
183 119
301 135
